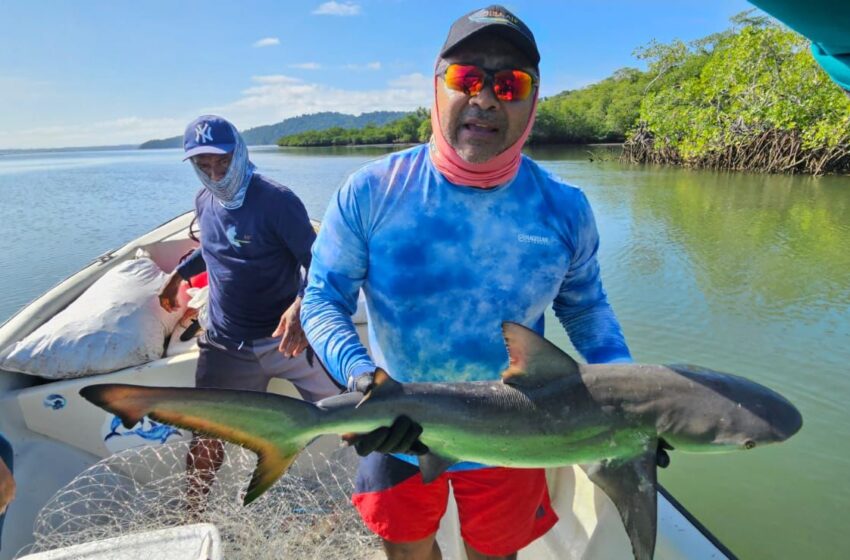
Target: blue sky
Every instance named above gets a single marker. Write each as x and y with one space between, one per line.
121 72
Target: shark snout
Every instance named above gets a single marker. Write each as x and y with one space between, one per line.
788 423
779 421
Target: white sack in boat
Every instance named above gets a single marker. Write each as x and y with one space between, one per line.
199 298
116 323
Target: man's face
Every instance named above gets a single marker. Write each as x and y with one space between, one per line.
481 127
213 165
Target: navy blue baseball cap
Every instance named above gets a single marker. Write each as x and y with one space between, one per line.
492 19
208 134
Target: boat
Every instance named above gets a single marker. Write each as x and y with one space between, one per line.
57 435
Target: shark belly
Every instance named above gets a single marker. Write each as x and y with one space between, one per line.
584 444
494 424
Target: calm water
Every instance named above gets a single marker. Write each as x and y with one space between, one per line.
741 273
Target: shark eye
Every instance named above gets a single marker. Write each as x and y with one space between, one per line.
749 444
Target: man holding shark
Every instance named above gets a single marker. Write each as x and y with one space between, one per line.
448 240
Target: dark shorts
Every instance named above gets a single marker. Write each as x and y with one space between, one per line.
501 510
251 367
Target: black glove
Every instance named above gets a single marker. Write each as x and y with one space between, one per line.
662 459
401 437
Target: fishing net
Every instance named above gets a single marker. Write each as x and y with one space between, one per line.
306 514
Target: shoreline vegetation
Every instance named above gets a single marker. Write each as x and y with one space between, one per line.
750 98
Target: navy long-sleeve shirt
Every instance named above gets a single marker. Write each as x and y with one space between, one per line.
254 255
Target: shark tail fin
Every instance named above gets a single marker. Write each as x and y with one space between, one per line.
120 400
275 427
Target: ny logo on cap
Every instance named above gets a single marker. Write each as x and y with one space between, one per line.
203 133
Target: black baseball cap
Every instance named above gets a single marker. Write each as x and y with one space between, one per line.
497 20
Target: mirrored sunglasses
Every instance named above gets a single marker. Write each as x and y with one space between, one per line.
507 84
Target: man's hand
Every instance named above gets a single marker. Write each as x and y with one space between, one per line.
168 292
7 486
400 437
293 340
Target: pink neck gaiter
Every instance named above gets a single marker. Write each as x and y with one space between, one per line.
491 173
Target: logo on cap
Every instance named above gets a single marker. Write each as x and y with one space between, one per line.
495 15
203 133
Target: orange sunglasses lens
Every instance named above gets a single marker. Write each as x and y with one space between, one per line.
508 85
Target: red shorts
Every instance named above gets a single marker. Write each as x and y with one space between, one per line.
501 510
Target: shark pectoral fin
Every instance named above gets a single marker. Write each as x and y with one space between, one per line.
534 361
433 465
631 485
337 402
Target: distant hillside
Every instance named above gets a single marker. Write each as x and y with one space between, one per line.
269 134
411 128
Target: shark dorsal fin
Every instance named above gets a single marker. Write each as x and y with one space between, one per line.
534 361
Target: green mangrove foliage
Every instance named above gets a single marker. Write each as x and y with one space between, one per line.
601 112
751 98
412 128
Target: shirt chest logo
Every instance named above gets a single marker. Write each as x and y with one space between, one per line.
534 239
230 233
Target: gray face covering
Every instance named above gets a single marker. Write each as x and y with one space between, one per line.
230 190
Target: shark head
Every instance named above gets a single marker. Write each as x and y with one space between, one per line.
722 412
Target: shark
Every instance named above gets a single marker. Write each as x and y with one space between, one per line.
547 410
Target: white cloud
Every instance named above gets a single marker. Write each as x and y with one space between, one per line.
268 99
126 130
337 9
267 42
274 79
274 98
413 81
369 66
306 66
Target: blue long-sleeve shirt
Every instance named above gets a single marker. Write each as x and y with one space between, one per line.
442 266
254 255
